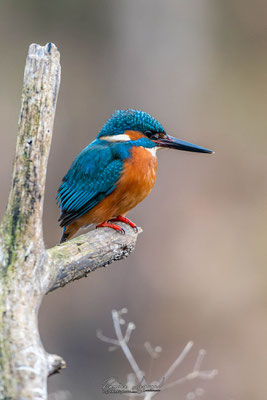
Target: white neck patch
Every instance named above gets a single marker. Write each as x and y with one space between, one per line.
116 138
152 150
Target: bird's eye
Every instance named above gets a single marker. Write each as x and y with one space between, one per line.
152 135
155 135
148 133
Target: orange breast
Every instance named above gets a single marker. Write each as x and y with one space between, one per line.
137 180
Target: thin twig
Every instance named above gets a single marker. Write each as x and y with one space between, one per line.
104 338
178 360
124 346
154 353
196 373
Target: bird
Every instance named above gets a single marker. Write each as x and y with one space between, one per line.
115 172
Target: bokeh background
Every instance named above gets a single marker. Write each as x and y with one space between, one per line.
199 268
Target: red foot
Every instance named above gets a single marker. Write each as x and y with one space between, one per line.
126 221
113 226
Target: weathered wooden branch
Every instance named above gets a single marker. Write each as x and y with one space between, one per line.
75 259
27 270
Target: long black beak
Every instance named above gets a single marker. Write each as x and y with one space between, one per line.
173 143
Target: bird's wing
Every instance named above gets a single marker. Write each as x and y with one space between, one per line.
92 176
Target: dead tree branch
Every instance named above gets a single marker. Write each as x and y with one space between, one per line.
75 259
27 269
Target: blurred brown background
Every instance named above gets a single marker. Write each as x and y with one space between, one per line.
199 269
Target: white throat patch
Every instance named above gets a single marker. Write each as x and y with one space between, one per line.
152 150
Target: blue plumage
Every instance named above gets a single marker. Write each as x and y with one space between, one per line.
123 120
91 177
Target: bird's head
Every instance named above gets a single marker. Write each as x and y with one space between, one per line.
130 125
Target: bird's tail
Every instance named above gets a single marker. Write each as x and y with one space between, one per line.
64 236
68 232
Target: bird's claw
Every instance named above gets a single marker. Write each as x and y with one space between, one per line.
120 218
109 224
126 221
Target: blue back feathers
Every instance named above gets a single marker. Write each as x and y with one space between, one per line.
134 120
95 172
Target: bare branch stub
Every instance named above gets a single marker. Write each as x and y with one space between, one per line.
55 364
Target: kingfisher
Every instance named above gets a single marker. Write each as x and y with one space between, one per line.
115 172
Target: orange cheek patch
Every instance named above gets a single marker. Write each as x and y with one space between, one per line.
135 135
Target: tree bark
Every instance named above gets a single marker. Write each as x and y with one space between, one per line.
27 270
